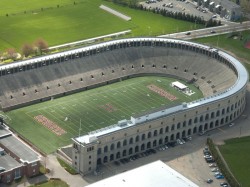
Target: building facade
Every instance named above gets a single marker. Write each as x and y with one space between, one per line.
150 130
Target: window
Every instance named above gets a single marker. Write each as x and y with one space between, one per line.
124 142
112 147
118 145
137 139
131 141
149 134
106 149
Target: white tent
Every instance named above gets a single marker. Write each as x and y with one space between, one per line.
179 85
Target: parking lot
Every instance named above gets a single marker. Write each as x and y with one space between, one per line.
187 159
186 6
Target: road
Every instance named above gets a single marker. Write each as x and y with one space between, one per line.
200 33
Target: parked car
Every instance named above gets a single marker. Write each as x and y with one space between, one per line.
220 177
223 183
212 165
183 141
179 141
231 124
207 156
212 31
214 169
210 160
217 174
209 181
202 133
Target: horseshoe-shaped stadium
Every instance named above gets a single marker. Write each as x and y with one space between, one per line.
221 78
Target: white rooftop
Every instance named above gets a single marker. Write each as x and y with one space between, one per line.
155 174
179 85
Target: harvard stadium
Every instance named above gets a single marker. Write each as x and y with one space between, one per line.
220 77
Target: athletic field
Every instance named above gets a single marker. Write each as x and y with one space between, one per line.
51 124
62 21
236 152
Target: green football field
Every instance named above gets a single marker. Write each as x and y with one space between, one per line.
70 22
95 109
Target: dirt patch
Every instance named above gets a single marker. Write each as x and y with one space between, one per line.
162 92
53 127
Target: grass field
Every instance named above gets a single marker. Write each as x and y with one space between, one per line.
71 22
237 155
235 46
52 183
95 108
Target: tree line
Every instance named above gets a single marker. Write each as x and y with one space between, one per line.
38 47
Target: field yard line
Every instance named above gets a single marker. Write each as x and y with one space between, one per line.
69 108
76 121
88 96
62 139
90 106
49 114
141 102
119 104
159 98
113 113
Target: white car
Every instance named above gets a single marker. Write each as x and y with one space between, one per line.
214 169
231 124
212 165
179 141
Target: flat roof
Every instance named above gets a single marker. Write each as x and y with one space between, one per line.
25 153
151 175
8 163
179 85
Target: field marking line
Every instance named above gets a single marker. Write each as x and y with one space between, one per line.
88 95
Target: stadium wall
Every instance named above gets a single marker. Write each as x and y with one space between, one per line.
147 131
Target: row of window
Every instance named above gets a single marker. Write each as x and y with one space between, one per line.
159 140
155 133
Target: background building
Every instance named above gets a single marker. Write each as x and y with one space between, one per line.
16 158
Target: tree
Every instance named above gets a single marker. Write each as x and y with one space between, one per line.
27 49
41 45
11 53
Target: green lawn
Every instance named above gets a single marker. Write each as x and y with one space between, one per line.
52 183
95 108
234 46
70 22
237 155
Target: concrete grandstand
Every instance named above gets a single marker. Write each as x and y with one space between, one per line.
42 78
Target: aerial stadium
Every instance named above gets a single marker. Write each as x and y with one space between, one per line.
218 76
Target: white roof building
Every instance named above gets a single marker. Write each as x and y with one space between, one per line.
151 175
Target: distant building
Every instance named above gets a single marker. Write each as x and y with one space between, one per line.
16 158
225 8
